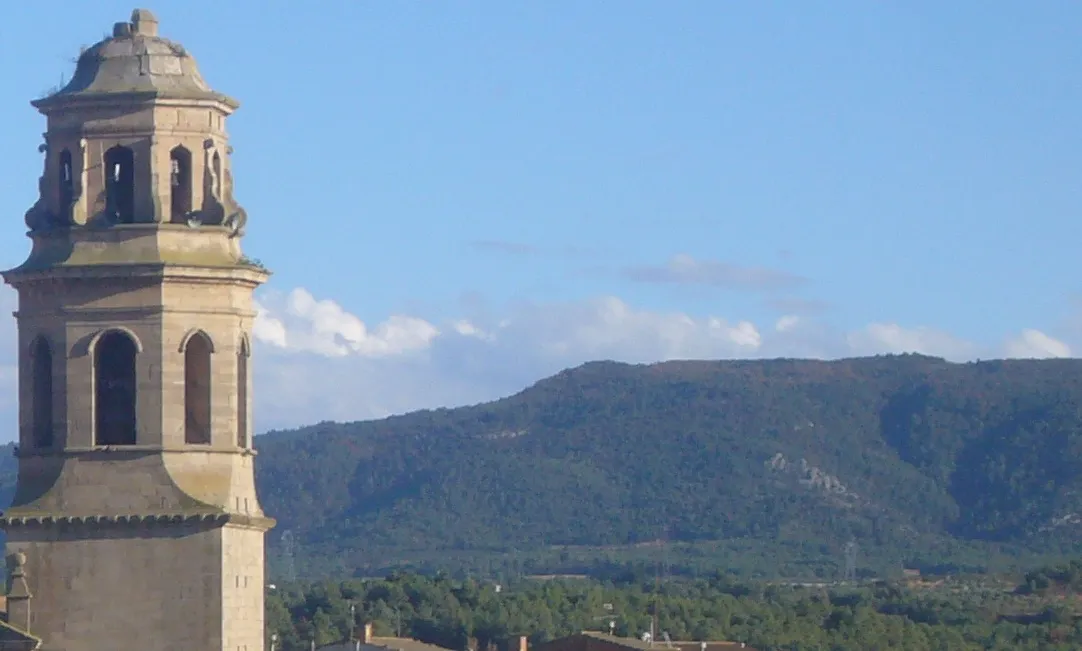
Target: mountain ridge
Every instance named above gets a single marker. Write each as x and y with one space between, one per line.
615 454
769 465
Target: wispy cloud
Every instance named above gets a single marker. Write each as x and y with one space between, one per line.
686 270
1034 344
797 305
505 247
521 249
318 361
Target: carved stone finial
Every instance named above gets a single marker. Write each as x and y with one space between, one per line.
19 594
17 586
236 221
144 23
39 217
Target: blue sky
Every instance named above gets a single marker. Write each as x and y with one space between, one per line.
499 189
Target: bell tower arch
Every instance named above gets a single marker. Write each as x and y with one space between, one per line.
135 510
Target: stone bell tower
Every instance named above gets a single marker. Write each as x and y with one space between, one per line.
135 523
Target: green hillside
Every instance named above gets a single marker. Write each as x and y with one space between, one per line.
767 466
764 467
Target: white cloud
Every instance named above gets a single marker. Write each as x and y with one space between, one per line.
314 376
314 360
893 338
471 360
304 324
467 329
1036 344
786 323
268 328
609 328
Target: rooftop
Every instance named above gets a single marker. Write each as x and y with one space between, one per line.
382 643
402 644
135 60
661 645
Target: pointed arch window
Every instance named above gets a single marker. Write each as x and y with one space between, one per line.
41 355
243 353
180 182
67 182
115 389
197 350
120 184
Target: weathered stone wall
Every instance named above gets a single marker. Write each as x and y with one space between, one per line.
243 591
126 587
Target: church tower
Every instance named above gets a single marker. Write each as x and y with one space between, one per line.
135 523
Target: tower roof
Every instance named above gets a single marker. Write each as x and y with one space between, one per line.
135 61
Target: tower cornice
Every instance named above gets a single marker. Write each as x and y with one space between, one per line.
87 101
244 274
19 518
138 250
105 451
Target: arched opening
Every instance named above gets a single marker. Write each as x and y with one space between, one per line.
42 393
180 182
242 393
67 182
114 389
120 184
197 352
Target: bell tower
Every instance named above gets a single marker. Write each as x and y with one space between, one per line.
135 523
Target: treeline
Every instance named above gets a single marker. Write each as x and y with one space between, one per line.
1065 578
449 612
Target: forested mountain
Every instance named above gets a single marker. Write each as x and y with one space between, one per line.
918 460
770 466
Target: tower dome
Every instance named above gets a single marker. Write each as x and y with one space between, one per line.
135 60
